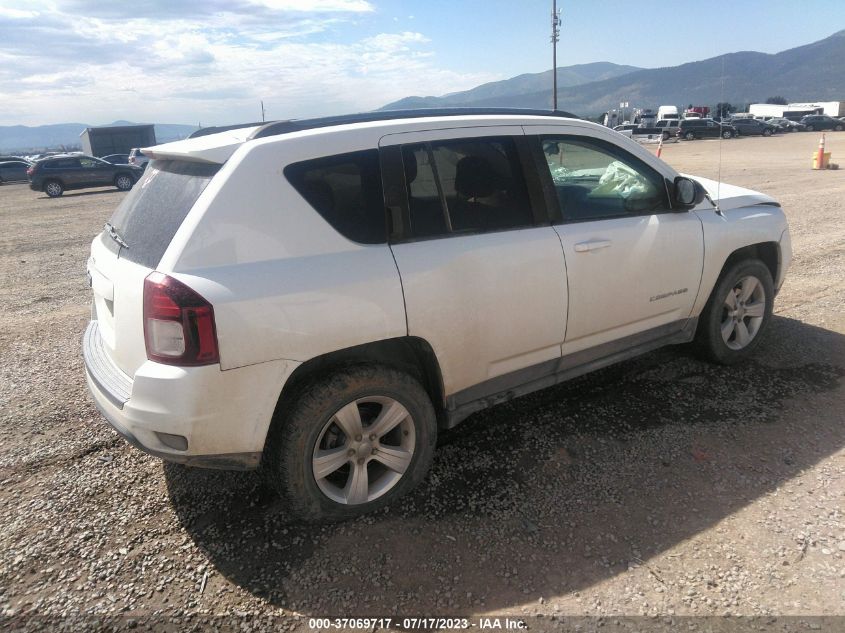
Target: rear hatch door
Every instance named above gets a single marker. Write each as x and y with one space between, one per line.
131 246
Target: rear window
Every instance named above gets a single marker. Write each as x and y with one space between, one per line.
153 211
346 191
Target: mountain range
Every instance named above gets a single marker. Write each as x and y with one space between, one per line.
814 72
528 83
22 137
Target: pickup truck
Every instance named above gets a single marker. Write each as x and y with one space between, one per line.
643 134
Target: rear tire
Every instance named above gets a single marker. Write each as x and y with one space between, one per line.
689 136
727 134
53 188
736 314
328 453
838 128
123 182
767 132
811 128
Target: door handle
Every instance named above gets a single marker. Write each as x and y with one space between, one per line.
592 245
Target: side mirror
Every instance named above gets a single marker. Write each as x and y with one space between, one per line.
688 193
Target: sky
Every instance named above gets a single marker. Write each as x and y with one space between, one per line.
213 61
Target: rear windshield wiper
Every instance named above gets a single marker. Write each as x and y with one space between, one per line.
115 235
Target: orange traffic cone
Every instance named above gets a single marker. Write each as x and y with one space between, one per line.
660 146
819 161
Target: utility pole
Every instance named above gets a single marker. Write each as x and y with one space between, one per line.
262 110
555 38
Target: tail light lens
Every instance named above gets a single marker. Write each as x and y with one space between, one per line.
179 324
30 171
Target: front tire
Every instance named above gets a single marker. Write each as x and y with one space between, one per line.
811 128
726 134
737 313
53 188
350 443
689 136
767 132
838 128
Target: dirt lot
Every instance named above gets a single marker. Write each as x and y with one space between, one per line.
662 486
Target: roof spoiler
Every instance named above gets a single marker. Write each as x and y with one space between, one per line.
205 131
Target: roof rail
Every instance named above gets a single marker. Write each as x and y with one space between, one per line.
297 125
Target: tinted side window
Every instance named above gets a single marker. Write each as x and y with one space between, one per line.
346 191
465 186
63 163
595 180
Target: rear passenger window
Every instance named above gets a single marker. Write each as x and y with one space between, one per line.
465 186
63 163
346 191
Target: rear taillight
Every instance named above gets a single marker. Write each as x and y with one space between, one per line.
179 324
30 171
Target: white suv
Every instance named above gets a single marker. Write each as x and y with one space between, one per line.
320 297
137 158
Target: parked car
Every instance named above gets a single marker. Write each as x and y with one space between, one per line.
816 122
13 171
669 125
786 125
116 159
138 158
690 129
58 174
753 127
321 297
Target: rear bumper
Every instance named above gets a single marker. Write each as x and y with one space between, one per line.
222 416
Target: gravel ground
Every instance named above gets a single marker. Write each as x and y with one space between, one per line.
663 486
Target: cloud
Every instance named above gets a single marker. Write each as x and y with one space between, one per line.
211 61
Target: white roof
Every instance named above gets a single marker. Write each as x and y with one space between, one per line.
217 148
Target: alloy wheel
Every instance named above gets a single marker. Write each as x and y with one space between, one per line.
742 313
363 450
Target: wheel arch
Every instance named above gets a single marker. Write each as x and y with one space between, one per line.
409 354
118 174
50 179
766 252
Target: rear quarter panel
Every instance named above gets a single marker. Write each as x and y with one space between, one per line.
284 284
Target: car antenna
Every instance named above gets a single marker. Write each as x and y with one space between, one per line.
721 140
